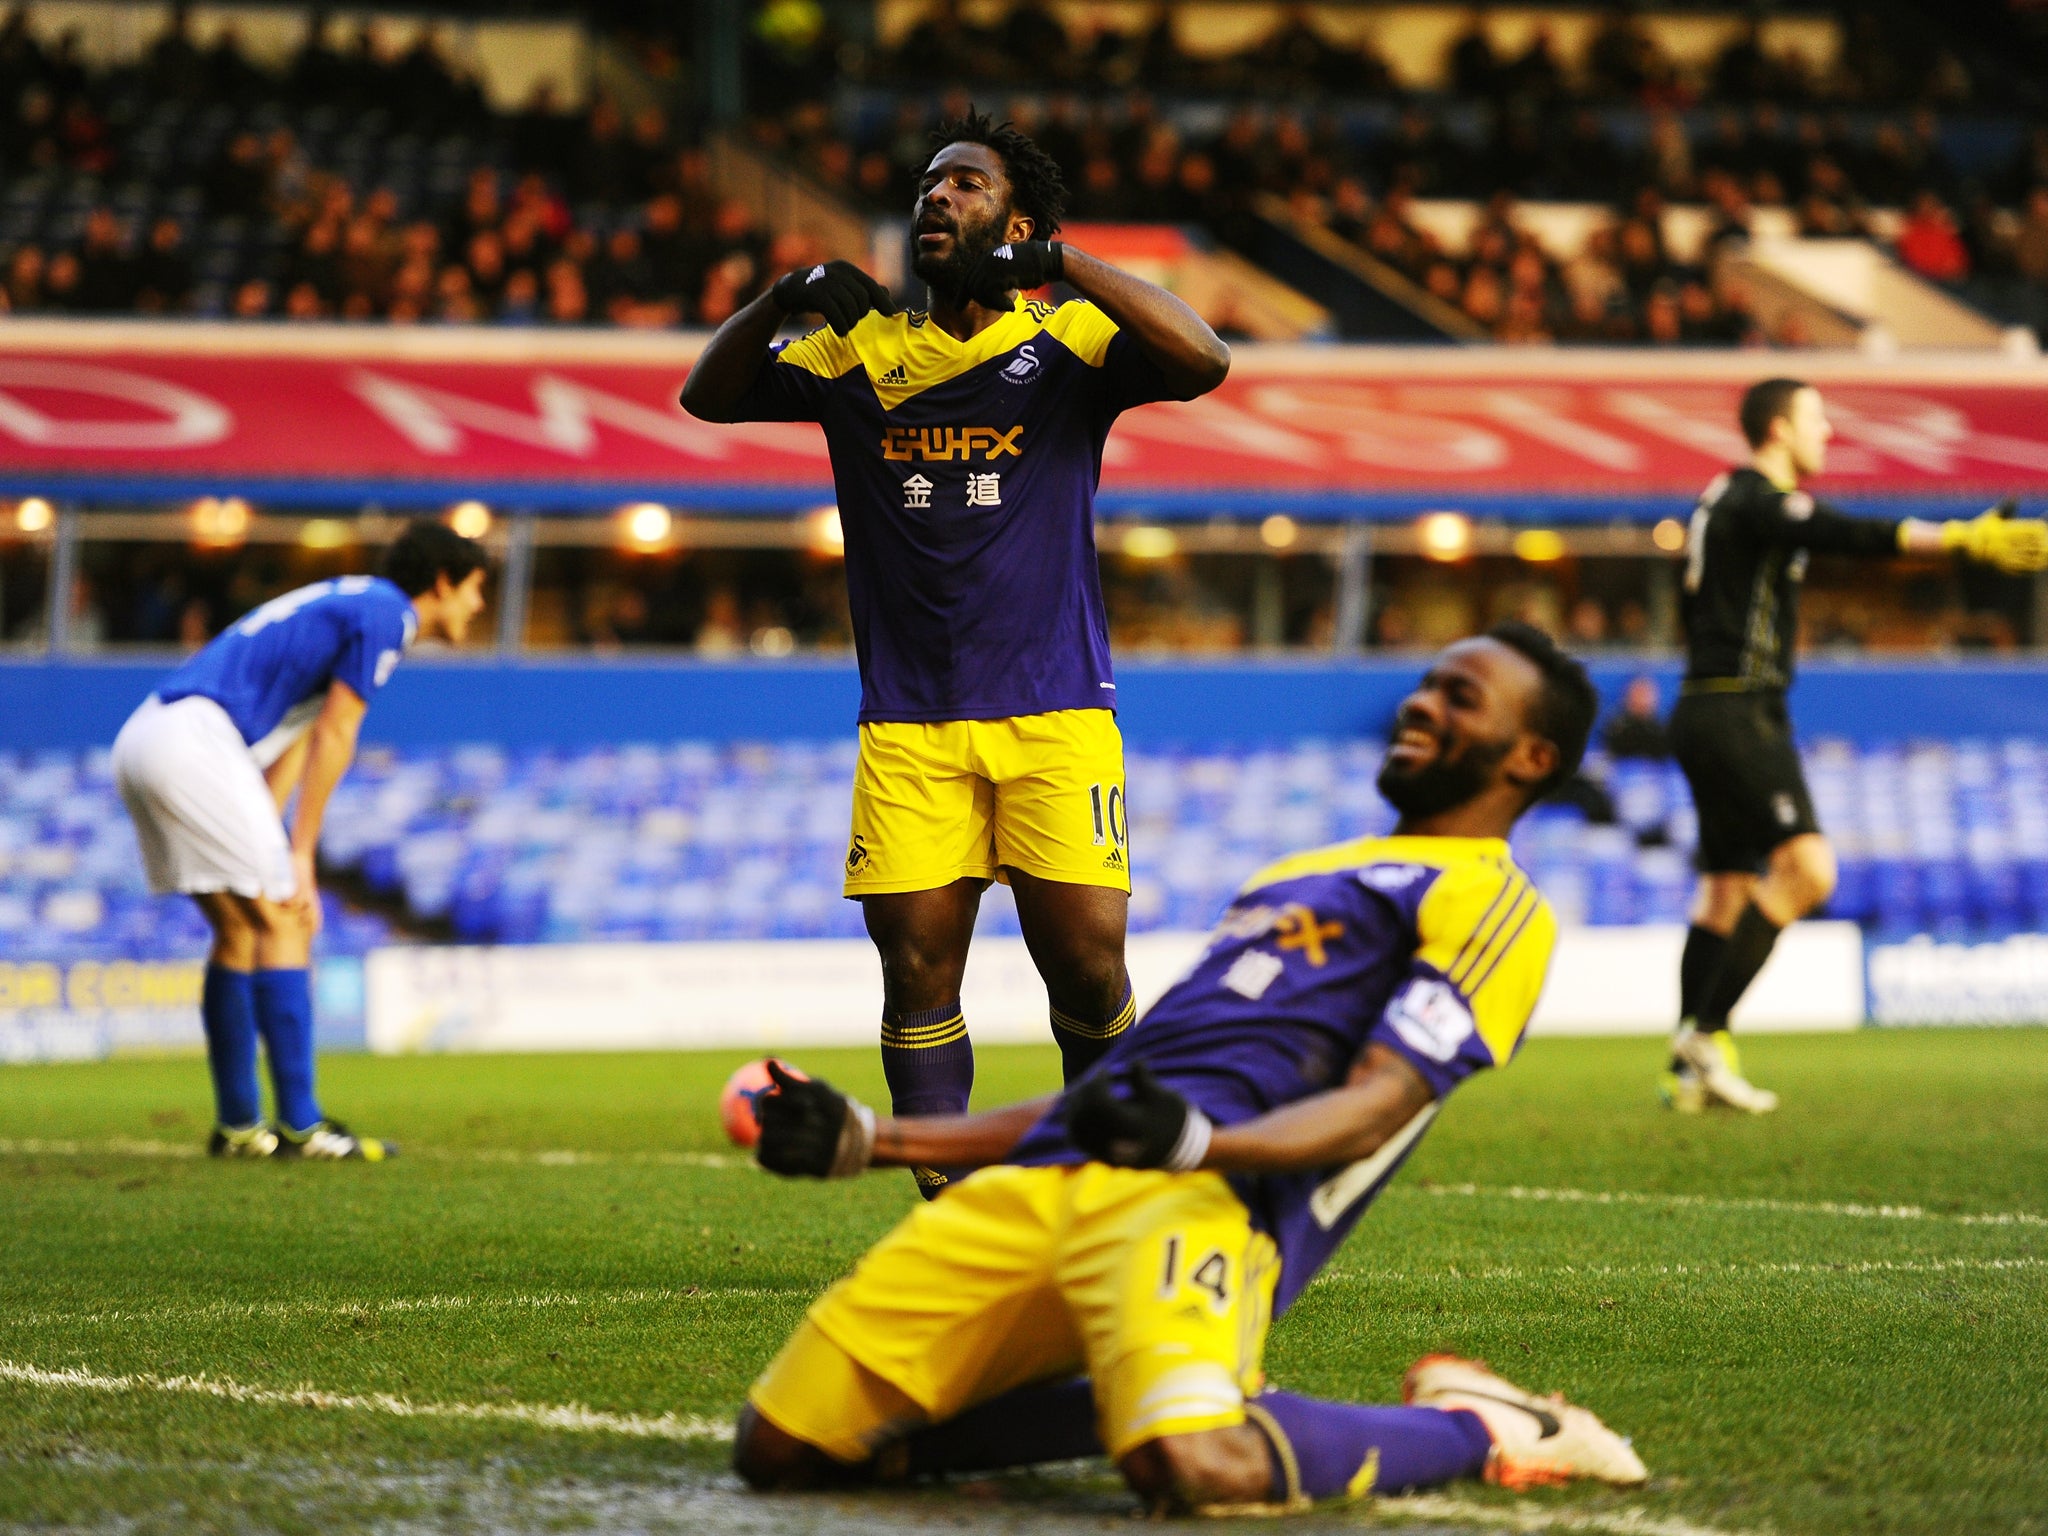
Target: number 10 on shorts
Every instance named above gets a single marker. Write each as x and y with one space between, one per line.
1108 814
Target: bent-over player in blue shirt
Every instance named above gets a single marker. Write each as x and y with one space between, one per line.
1140 1232
207 765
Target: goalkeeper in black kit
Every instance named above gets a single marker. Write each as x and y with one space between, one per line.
1762 859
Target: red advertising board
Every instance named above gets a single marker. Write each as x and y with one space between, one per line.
560 420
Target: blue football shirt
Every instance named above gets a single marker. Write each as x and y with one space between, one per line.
271 671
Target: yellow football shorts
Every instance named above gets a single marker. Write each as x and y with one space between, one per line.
938 802
1154 1284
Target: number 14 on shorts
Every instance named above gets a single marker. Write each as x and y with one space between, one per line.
1209 1274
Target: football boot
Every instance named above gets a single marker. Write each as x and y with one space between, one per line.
332 1142
1536 1440
1714 1060
248 1141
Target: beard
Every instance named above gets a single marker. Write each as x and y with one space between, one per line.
1443 782
947 275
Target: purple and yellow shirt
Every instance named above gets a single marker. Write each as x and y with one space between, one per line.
1435 947
966 473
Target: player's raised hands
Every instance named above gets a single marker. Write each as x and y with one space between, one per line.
810 1129
1024 264
838 290
2016 545
1146 1125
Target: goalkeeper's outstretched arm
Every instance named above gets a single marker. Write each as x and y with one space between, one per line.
2015 545
1994 537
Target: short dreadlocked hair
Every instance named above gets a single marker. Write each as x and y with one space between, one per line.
1036 187
1564 712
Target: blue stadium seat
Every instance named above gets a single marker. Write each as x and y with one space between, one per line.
696 842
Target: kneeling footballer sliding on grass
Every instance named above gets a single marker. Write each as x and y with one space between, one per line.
1104 1283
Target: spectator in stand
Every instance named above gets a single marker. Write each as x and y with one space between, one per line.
25 271
253 300
367 258
520 302
1636 729
485 262
1930 244
1663 321
62 279
106 277
2030 241
303 302
238 184
568 298
163 273
455 297
1586 624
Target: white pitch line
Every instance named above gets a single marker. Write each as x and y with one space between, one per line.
122 1146
569 1158
224 1310
645 1295
114 1146
572 1417
1724 1203
1820 1268
1530 1518
565 1158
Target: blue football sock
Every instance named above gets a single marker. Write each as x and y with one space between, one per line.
284 1013
929 1062
227 1007
1322 1450
1084 1041
1047 1421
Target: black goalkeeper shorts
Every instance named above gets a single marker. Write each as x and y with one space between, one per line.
1747 783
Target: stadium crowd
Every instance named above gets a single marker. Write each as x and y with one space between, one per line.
362 186
354 186
1889 57
1627 130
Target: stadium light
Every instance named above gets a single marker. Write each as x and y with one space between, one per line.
648 523
324 533
471 519
1539 546
220 521
1444 535
1147 541
826 532
1279 531
1669 535
34 515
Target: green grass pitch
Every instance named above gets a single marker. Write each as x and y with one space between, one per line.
1832 1320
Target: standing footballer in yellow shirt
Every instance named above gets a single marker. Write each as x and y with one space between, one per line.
966 442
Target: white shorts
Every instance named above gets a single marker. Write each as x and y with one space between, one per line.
203 813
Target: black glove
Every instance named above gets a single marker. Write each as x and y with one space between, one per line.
810 1128
838 290
1021 264
1150 1126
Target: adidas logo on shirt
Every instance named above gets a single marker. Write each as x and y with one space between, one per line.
896 375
